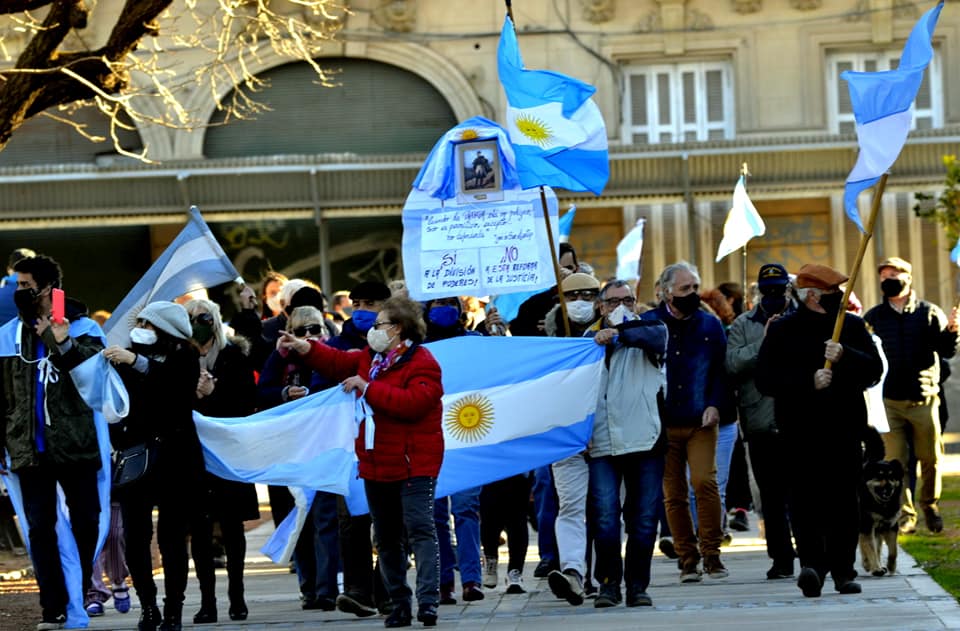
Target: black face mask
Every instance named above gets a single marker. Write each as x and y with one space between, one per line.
892 287
831 302
774 303
687 305
26 302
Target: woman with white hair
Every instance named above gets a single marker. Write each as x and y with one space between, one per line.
160 372
226 388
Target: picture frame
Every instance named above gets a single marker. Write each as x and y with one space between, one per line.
479 172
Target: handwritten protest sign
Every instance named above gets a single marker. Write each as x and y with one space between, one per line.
452 248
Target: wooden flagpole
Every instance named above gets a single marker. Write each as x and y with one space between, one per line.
864 240
546 220
745 172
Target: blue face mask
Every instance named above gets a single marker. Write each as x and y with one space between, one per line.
444 316
363 319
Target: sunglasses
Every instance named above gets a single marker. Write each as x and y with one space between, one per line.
581 294
202 318
310 329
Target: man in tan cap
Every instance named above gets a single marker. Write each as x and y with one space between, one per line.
821 414
916 336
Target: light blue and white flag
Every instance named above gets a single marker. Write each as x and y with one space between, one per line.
882 106
630 253
510 405
743 223
508 305
955 253
193 261
86 377
305 444
556 129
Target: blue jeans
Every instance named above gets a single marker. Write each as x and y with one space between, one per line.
642 476
726 440
404 510
545 503
318 549
465 507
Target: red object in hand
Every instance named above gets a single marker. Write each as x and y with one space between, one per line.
58 312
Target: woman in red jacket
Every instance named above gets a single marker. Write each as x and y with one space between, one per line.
400 381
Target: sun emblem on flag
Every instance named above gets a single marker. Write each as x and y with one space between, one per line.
469 134
534 128
469 418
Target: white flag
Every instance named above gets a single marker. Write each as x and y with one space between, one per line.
743 223
629 251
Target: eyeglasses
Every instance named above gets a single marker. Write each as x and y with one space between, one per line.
377 325
309 329
626 301
202 318
581 294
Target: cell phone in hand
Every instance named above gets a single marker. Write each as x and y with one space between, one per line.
57 312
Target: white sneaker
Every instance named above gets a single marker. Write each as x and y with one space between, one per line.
490 577
515 582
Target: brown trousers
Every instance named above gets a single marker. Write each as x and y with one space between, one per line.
696 446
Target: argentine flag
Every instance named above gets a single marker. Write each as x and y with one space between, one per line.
193 261
87 378
305 444
743 223
882 107
556 129
955 253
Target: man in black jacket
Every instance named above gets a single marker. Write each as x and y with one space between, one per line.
916 335
822 415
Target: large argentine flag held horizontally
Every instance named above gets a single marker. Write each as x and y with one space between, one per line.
193 261
882 107
89 379
556 129
510 405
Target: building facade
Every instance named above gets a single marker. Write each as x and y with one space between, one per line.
689 89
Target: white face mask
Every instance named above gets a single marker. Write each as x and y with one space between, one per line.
620 315
580 311
273 302
379 340
143 336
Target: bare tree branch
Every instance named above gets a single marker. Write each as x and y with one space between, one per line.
233 33
9 7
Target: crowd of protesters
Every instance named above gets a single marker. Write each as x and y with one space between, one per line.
711 403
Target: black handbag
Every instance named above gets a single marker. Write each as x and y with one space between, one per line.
132 464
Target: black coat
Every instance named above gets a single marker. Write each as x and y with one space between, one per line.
161 411
233 396
822 423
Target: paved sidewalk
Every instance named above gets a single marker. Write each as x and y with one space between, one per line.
744 601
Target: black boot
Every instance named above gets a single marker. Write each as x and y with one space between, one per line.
171 616
399 617
150 617
238 609
207 613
